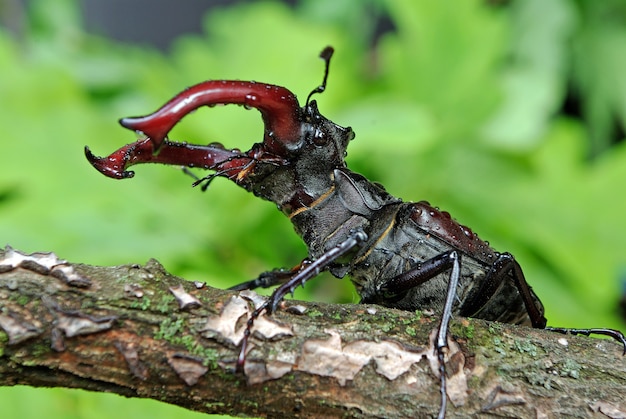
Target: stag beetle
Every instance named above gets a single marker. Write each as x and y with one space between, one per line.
407 255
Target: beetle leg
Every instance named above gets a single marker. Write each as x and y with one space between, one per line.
503 268
615 334
425 271
442 333
418 275
308 271
505 265
271 278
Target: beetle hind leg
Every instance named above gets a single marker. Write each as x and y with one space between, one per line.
612 333
423 272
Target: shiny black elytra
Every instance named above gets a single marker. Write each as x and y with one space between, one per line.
398 254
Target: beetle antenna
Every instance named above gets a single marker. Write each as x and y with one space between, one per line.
199 180
325 55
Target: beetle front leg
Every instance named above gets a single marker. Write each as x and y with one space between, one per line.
307 272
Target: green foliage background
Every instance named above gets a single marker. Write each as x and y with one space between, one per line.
460 104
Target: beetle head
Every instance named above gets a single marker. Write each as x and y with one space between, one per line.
300 147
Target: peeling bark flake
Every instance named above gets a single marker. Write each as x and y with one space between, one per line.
82 324
44 264
224 326
259 371
74 323
297 309
38 262
256 299
391 359
57 341
133 290
187 368
503 395
267 328
68 275
18 329
228 325
131 356
608 410
185 300
456 387
328 358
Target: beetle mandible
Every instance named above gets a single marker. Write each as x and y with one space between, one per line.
407 255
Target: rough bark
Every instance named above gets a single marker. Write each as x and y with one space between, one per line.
140 332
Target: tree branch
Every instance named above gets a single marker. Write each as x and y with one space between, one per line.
140 332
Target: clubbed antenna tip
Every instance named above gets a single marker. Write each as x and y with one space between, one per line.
325 55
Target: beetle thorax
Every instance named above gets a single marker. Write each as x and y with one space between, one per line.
307 174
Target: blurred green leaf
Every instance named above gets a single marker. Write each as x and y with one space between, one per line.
598 71
444 55
533 78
